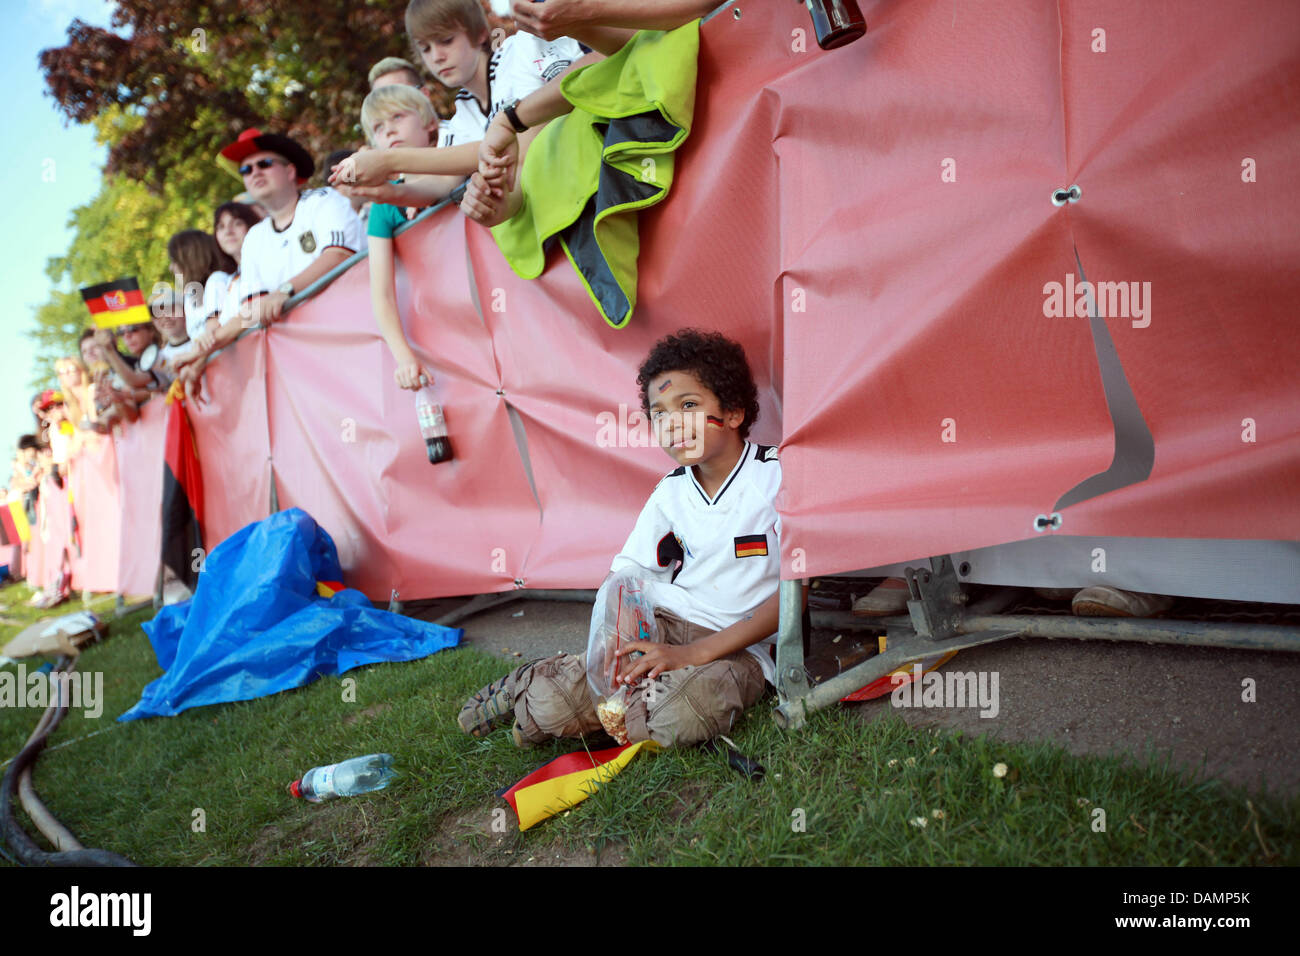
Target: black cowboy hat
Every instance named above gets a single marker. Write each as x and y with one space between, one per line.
255 141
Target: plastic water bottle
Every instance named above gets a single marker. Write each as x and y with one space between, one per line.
346 779
433 426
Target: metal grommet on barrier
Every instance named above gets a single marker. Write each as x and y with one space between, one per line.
735 12
1043 522
519 584
501 391
1062 195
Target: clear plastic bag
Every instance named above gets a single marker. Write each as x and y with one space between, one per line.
623 612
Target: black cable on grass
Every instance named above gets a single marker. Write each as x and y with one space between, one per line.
25 848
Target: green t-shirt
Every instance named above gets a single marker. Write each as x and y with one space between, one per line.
384 220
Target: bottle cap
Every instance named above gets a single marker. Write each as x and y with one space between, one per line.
295 788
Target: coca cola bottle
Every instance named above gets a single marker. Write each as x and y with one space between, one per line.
836 22
433 426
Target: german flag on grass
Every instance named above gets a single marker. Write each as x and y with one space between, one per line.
116 303
182 499
567 780
900 675
14 528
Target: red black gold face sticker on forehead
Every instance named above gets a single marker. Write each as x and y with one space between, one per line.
715 421
664 386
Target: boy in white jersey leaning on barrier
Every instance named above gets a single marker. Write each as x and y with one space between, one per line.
456 46
707 545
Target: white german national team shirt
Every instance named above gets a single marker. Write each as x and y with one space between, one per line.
199 307
271 257
712 561
521 64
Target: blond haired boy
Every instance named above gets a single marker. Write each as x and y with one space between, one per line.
394 117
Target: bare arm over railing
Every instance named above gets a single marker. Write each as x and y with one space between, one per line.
375 167
598 23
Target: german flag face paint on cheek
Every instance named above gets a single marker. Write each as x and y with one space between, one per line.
715 421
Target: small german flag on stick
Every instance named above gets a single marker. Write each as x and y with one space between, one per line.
112 304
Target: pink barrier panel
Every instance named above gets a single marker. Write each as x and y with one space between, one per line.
230 432
92 476
12 555
1180 156
139 467
54 529
931 402
347 447
34 564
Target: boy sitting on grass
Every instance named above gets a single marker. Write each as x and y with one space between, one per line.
394 116
707 542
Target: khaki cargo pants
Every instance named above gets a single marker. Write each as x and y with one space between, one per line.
687 706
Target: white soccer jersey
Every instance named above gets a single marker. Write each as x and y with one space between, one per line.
233 298
198 308
165 365
521 64
271 257
712 561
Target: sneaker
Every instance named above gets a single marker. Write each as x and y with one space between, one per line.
490 708
886 599
1113 602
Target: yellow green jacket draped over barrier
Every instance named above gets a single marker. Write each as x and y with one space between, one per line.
587 173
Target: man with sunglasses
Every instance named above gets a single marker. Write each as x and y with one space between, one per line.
305 236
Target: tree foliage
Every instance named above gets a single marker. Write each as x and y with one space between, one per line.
196 75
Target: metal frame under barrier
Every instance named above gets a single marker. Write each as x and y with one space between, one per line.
939 621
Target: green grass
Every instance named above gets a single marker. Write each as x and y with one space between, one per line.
135 787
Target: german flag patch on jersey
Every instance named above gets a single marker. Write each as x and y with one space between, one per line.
751 545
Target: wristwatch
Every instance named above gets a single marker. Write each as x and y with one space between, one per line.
287 289
509 110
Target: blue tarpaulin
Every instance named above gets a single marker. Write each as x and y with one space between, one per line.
257 624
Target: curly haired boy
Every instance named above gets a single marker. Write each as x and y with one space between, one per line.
707 543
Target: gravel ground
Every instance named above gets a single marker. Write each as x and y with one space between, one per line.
1153 702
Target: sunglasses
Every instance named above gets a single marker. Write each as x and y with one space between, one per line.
266 162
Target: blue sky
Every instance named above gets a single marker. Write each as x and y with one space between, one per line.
36 211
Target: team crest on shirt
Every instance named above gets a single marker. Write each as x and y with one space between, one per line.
307 241
751 546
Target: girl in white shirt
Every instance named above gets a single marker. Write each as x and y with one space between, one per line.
203 272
